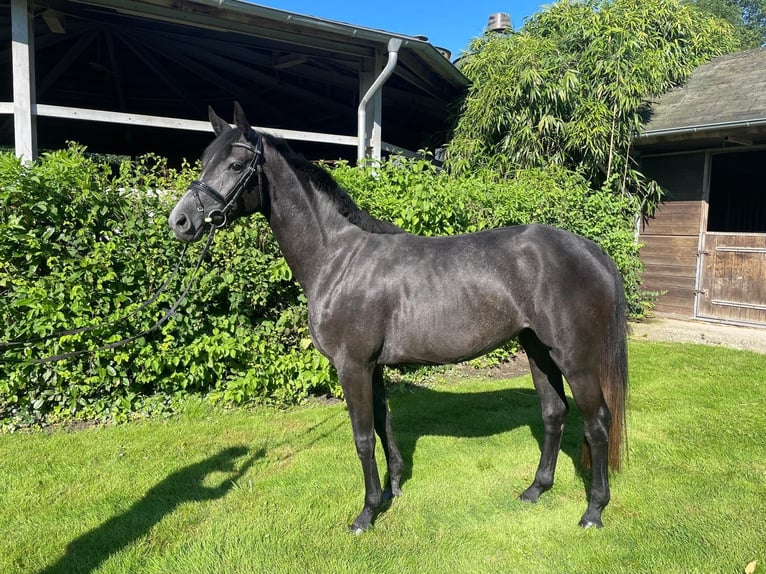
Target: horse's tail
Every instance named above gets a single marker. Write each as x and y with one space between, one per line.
614 378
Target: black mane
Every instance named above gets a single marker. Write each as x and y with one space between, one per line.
325 183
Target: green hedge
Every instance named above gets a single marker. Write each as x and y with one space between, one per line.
82 243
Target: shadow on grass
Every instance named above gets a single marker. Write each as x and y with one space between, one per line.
89 551
419 412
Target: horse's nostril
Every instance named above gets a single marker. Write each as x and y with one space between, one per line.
182 222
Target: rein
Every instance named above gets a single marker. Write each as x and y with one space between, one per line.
59 334
169 312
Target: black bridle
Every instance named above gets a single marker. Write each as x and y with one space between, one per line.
219 217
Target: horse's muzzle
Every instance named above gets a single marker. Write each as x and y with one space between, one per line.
184 227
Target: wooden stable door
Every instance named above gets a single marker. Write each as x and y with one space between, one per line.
733 278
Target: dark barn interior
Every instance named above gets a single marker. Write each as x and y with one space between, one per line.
173 59
738 192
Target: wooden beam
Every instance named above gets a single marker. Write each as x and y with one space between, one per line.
115 74
6 108
249 19
371 68
195 66
289 60
177 123
217 54
22 53
55 21
165 76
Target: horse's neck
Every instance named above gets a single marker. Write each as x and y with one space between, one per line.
306 224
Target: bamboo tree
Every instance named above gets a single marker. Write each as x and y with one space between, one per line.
570 87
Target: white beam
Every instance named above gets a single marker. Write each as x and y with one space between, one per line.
367 75
376 128
178 123
22 54
7 108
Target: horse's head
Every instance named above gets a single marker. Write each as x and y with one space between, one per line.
230 183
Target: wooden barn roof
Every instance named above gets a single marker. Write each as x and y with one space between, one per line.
723 103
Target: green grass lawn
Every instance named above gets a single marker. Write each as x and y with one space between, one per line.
267 491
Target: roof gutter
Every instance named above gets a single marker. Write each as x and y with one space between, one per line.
393 57
686 130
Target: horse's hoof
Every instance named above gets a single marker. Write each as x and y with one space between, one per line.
532 494
390 493
584 523
362 523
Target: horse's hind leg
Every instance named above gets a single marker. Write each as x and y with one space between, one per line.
550 390
383 428
596 420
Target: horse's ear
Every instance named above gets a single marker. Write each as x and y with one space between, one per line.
219 125
240 120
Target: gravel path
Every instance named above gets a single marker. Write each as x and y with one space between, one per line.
678 331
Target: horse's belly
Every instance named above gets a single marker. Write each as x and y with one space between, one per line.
443 331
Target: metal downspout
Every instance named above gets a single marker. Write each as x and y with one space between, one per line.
393 56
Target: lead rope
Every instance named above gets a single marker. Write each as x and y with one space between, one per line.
170 312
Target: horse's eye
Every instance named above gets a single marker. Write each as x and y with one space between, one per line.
236 167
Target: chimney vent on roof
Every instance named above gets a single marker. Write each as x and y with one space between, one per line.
499 22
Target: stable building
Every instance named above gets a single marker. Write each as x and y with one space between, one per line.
705 144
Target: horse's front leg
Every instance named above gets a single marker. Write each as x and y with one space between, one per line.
356 381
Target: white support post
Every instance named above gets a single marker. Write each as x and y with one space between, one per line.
22 53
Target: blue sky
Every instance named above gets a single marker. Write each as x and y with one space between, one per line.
447 24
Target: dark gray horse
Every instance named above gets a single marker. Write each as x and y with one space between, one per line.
378 296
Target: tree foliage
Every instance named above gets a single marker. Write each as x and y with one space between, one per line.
82 244
747 17
569 88
426 201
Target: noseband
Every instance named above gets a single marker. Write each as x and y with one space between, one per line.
218 218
